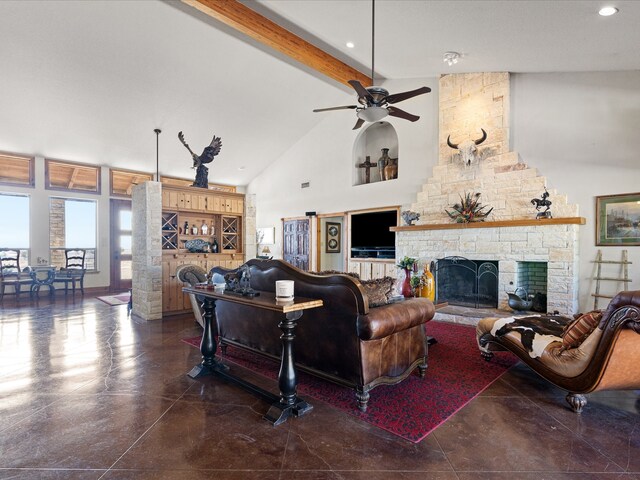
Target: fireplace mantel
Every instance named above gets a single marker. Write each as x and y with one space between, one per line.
524 222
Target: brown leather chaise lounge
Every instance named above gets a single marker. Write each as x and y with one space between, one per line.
607 359
345 341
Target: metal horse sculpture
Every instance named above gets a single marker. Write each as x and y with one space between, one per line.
542 202
202 172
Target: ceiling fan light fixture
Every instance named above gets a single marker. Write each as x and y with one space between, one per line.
372 114
451 58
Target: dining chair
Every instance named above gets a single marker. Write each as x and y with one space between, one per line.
73 270
10 272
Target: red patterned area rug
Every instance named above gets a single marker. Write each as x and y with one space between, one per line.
415 407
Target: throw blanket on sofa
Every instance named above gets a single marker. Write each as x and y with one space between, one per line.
536 331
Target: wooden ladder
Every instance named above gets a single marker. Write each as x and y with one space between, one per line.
625 275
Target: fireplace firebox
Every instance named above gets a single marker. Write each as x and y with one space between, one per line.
468 283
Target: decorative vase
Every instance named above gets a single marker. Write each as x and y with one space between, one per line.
406 285
383 161
391 170
428 289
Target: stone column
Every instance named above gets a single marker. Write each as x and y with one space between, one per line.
250 226
147 250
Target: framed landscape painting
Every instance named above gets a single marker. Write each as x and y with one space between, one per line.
618 219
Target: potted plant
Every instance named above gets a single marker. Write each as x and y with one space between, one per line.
416 285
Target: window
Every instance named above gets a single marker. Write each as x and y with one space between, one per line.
17 170
69 176
15 230
122 181
73 224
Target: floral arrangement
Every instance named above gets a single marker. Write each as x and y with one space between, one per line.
469 209
407 263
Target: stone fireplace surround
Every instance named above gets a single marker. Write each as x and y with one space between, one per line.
510 234
554 244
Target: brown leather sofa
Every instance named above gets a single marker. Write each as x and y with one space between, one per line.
345 341
607 359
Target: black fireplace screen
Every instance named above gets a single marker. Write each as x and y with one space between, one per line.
468 283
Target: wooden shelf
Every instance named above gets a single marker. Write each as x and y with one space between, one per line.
525 222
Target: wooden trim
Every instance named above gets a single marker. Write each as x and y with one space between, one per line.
190 189
377 209
525 222
247 21
185 182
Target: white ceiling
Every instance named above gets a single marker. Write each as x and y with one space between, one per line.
88 81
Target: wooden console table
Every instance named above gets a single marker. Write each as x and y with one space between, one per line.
287 403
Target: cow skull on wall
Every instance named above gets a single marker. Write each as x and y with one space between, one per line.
468 150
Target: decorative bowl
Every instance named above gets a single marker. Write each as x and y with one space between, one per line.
197 245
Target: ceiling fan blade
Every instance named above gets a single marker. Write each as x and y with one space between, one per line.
346 107
358 124
398 97
360 90
396 112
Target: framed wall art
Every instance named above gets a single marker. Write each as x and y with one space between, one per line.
618 219
333 237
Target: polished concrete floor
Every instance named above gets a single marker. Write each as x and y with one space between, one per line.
87 392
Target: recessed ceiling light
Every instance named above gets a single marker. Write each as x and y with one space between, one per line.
350 45
608 11
451 58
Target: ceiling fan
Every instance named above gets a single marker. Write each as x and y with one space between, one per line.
375 102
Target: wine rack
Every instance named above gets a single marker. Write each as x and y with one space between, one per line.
169 230
230 233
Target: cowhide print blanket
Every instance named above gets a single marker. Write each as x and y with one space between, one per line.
536 331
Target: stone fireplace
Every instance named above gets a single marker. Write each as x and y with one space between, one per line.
511 237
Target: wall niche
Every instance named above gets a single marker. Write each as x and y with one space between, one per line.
368 150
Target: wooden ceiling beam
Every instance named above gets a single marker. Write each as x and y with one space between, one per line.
243 19
74 177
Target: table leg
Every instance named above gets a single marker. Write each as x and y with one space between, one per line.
208 345
287 379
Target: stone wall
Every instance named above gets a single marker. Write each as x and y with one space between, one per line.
469 102
147 250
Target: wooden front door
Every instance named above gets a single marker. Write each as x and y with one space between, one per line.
296 243
121 260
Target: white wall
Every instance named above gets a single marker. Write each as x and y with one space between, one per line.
582 131
324 157
39 224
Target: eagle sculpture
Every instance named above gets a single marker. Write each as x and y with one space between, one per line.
202 172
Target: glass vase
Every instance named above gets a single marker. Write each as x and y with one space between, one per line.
428 289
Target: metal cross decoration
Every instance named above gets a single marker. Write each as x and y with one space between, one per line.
367 165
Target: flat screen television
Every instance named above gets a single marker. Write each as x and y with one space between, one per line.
370 235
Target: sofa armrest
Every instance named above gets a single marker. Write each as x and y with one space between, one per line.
383 321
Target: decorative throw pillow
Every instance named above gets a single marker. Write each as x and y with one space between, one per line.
378 290
577 331
337 272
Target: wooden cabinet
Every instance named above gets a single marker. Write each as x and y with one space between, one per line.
370 269
223 215
173 300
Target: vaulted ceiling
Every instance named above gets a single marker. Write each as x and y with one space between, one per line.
88 81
